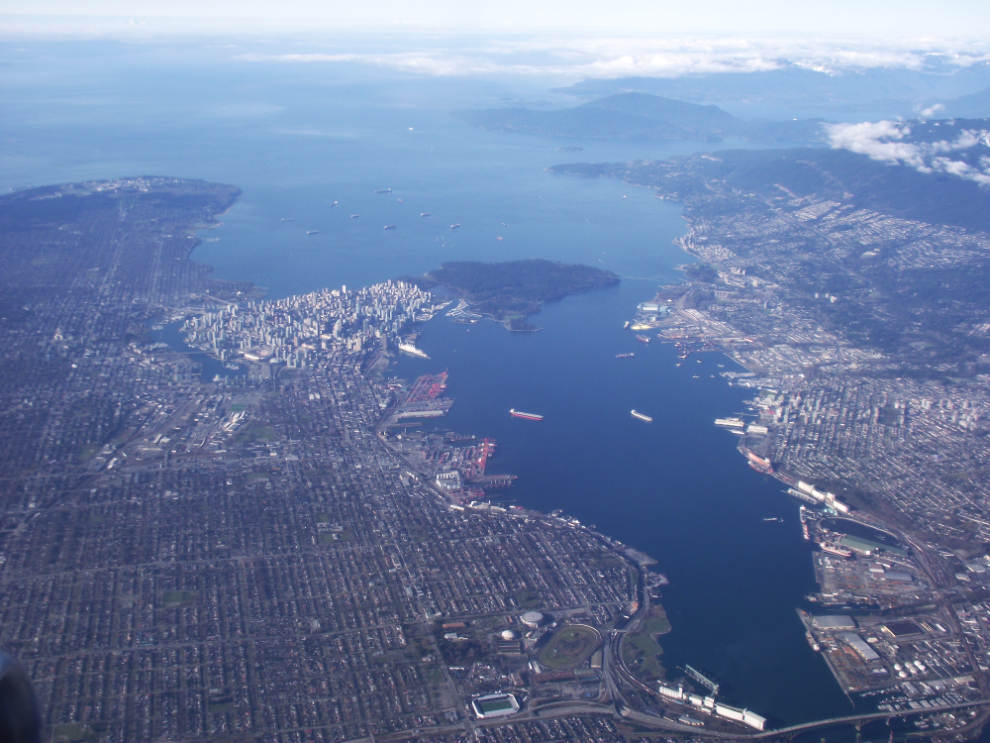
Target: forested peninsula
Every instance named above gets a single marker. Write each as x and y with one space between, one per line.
512 291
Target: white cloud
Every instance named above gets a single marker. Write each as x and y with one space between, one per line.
669 56
884 141
927 113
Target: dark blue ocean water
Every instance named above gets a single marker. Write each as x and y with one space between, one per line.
297 138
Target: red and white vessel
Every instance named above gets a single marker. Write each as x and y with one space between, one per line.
528 416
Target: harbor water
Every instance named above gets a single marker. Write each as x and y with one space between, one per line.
310 144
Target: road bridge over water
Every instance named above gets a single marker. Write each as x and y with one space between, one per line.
856 720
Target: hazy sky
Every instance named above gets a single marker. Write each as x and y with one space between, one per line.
871 18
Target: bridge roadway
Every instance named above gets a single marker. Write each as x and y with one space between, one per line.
859 719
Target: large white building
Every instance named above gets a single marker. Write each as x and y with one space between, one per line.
494 705
709 705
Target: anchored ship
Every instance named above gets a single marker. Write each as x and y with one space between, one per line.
528 416
641 416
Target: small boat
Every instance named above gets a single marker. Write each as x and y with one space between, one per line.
401 201
288 219
334 204
626 325
498 238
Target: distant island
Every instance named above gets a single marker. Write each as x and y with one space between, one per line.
510 292
643 116
797 87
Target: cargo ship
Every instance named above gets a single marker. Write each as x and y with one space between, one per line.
424 214
624 355
641 416
834 549
455 226
390 227
758 463
730 422
355 216
312 232
528 416
642 339
387 190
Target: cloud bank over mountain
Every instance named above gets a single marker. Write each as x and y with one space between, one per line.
671 56
966 156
